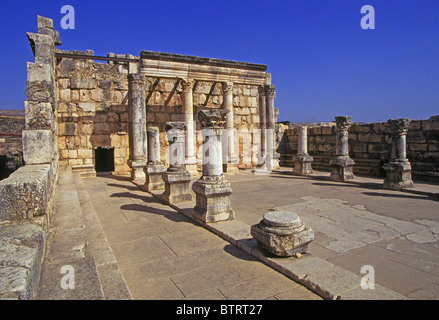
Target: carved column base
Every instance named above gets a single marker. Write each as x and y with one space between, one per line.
302 164
398 175
137 173
230 168
342 168
212 199
282 234
177 186
154 180
191 166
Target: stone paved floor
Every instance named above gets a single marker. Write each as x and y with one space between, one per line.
395 232
164 255
129 236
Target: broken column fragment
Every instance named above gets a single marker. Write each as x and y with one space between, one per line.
176 178
302 161
342 165
212 189
398 169
154 168
282 233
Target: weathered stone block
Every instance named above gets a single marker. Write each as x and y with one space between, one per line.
154 177
177 186
37 146
76 83
39 116
25 193
212 199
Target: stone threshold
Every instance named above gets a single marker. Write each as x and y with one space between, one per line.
318 275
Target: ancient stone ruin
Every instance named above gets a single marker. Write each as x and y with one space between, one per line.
175 126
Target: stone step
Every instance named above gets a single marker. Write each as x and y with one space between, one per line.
66 254
111 279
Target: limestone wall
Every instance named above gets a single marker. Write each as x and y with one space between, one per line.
93 108
92 111
367 142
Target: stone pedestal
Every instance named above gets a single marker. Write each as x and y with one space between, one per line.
342 165
302 161
177 179
177 186
212 199
398 169
302 164
212 189
282 233
137 172
154 169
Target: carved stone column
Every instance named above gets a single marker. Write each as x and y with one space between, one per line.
137 127
398 169
212 189
230 163
188 110
154 168
302 161
342 165
272 157
176 178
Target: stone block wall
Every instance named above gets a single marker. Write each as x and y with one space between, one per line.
367 143
93 109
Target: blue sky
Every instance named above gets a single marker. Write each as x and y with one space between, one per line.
322 62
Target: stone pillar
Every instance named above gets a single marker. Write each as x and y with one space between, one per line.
342 165
176 178
282 233
302 161
271 155
137 127
188 110
212 189
154 168
261 166
230 163
398 169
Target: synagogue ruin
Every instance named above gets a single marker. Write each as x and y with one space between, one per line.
176 125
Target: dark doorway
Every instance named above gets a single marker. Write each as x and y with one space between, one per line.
104 159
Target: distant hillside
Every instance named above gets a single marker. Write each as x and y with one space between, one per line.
12 113
11 122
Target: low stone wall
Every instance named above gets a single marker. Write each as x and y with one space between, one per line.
25 209
367 143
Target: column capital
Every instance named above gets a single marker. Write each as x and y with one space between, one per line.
187 84
215 118
227 87
270 91
343 123
399 127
